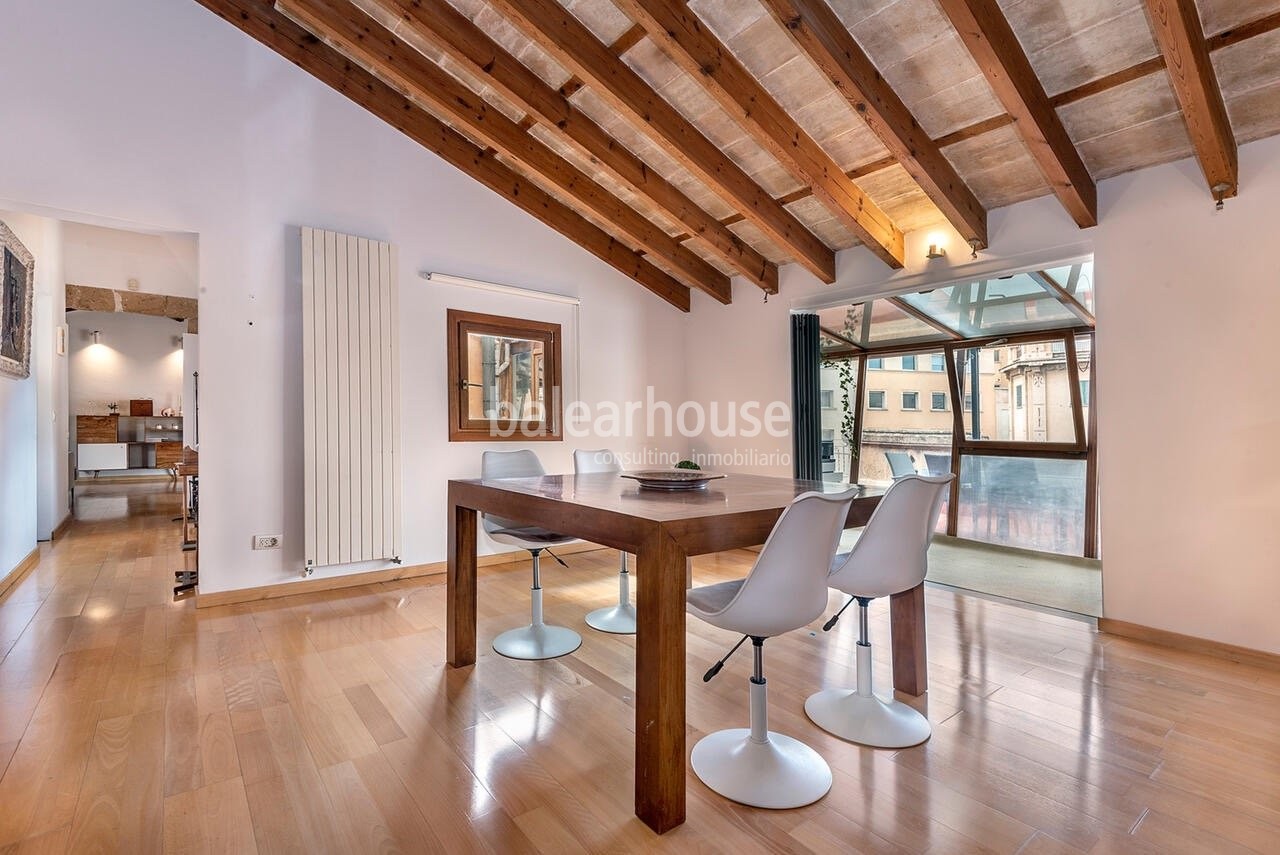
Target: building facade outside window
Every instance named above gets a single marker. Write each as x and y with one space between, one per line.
828 397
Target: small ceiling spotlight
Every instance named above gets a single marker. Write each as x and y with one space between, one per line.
96 335
974 246
935 251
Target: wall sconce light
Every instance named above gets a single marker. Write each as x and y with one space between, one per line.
974 244
935 251
96 334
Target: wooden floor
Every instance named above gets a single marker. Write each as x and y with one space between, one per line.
326 723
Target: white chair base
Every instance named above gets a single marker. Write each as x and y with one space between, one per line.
620 619
867 719
778 773
757 767
860 716
537 641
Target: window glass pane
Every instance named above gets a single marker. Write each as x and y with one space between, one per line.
908 363
839 399
875 364
1030 503
875 400
938 362
938 400
1023 391
504 377
910 400
1084 364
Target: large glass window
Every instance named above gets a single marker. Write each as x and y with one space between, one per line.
875 400
937 401
908 363
910 400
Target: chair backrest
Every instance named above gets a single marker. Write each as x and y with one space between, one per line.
787 587
900 463
892 553
937 464
590 461
507 464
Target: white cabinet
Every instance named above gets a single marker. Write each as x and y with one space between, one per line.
94 456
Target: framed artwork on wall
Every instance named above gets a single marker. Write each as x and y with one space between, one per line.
17 269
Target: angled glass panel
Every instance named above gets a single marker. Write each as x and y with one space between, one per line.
841 325
891 325
1076 280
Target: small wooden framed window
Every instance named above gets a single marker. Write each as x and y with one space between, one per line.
504 379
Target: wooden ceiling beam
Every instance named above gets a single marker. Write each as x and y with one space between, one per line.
401 66
555 29
451 32
681 34
991 41
258 19
1176 24
819 33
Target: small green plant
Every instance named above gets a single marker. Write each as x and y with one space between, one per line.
687 464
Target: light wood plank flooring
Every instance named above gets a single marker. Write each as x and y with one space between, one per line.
327 723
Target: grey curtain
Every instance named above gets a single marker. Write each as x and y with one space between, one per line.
806 416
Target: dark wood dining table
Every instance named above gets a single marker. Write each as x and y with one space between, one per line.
663 529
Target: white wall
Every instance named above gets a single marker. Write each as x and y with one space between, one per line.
137 356
161 262
50 370
18 433
198 129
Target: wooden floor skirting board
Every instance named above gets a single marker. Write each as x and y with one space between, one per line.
62 528
1178 641
355 580
23 567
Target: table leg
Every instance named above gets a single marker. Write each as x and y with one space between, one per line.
460 609
660 667
910 663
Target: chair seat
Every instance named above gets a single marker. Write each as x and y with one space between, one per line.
708 600
530 536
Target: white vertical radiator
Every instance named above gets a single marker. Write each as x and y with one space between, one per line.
351 399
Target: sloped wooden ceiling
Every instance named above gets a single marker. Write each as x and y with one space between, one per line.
686 142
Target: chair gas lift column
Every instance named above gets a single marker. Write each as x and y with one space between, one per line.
786 589
620 619
891 556
538 640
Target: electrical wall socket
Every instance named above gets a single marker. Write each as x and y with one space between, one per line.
266 541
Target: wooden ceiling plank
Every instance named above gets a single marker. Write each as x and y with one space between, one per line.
554 29
1176 24
1051 285
682 35
259 20
818 32
453 33
366 42
920 316
992 43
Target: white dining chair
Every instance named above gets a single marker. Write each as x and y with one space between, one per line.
538 640
620 618
786 589
890 556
